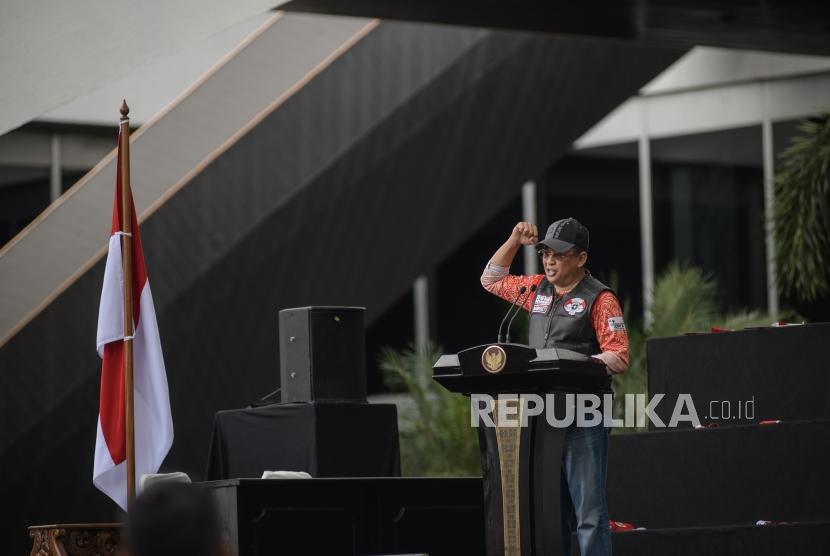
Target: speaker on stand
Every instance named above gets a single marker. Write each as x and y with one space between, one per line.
322 354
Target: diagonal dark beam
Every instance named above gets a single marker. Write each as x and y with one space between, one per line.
797 26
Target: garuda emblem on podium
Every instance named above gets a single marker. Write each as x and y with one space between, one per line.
493 359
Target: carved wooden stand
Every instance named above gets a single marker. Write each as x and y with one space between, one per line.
80 539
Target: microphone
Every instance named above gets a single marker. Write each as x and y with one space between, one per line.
510 322
500 338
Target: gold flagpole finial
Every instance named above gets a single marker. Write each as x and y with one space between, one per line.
125 110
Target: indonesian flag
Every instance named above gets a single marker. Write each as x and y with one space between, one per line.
153 421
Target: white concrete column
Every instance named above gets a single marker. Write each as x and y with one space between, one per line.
55 171
531 259
420 294
646 224
768 148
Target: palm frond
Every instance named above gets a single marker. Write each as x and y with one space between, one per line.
801 212
684 301
435 433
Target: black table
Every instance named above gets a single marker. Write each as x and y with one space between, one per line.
322 439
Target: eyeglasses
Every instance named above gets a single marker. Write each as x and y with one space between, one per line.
549 253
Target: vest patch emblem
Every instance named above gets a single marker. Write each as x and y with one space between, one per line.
574 305
541 303
616 324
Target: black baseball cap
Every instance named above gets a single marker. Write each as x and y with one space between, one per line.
565 234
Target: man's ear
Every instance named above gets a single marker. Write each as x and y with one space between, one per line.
582 259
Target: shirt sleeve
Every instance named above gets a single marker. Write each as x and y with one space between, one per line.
498 281
607 318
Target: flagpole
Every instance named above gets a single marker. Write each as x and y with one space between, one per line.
127 258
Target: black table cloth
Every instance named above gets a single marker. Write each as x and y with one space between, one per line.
322 439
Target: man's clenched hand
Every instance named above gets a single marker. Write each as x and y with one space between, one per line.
525 233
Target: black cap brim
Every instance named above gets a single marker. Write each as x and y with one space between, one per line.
556 244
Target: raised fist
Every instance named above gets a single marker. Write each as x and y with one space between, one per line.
525 233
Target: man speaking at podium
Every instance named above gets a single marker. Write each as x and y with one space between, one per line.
573 310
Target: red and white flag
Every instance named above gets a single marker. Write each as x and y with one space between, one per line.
153 420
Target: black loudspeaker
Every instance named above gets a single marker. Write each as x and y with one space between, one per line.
322 354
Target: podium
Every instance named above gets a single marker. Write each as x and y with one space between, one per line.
520 464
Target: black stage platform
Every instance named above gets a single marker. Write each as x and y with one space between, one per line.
695 492
445 517
749 540
784 370
352 516
723 476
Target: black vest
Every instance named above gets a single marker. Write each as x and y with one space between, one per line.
566 322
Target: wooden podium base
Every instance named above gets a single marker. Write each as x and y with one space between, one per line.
78 539
521 468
